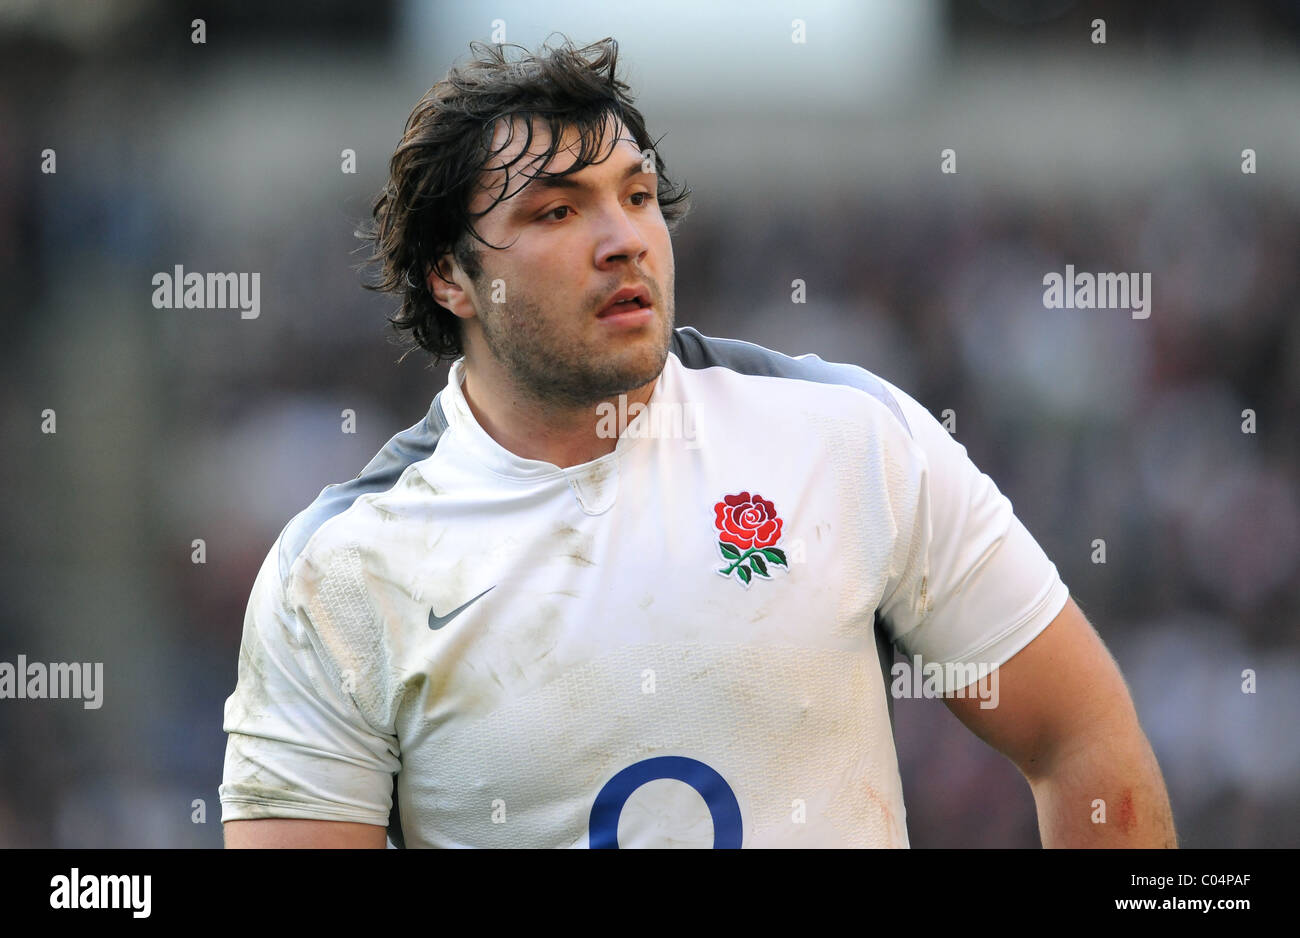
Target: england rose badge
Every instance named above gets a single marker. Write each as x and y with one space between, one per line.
748 531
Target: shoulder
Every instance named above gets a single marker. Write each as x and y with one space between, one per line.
381 475
813 375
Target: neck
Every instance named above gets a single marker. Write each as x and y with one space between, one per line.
563 435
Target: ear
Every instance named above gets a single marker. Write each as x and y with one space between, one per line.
451 288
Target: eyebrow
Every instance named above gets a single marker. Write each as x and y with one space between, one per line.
543 184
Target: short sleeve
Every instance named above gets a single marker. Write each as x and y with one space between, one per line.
974 586
298 745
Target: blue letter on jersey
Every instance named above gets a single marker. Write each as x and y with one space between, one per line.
608 807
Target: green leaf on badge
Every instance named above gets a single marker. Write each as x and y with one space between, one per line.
729 551
745 575
776 555
760 568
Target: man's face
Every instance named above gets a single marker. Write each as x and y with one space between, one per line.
567 249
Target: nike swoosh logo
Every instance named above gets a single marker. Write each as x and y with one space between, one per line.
437 622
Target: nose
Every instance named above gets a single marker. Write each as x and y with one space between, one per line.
620 240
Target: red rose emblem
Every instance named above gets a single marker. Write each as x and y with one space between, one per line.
747 521
748 529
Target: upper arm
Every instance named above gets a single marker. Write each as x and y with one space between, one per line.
971 586
977 590
301 833
300 745
1059 691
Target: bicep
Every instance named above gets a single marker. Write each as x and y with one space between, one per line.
299 833
1060 690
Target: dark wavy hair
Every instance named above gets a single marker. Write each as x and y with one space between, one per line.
423 212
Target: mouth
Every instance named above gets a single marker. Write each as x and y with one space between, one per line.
629 303
631 315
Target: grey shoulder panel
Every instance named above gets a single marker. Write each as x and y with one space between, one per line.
700 351
380 474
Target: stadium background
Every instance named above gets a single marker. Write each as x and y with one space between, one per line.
816 161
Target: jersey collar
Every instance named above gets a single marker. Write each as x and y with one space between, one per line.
503 462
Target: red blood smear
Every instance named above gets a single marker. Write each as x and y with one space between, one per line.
1127 817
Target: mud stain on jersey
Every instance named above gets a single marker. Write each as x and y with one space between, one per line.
251 699
413 687
572 545
595 487
537 641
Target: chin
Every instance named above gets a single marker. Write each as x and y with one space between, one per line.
646 356
620 374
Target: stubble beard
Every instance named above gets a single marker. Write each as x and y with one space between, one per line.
549 371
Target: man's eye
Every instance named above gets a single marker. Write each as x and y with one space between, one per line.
646 199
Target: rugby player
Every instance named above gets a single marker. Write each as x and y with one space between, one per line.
625 584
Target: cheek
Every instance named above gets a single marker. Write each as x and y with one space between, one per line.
551 275
663 262
521 290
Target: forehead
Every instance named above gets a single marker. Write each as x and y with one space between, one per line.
516 159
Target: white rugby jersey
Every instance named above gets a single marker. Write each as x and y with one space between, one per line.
682 643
